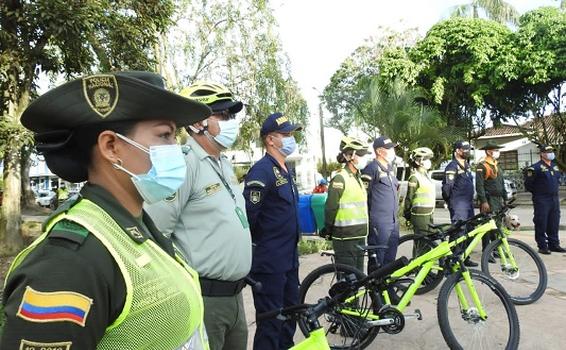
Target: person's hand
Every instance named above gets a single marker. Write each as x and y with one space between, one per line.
325 233
484 208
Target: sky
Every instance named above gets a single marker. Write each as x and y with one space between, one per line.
318 35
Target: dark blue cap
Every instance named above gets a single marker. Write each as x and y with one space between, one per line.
277 122
545 148
462 145
383 142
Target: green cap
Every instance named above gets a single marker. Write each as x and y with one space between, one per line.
490 146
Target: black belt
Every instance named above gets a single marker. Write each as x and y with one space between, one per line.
217 288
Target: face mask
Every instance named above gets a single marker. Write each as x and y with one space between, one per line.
362 163
166 175
465 154
228 132
289 145
495 154
427 164
390 155
550 156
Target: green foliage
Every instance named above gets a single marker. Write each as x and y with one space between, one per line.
497 10
330 166
313 245
235 43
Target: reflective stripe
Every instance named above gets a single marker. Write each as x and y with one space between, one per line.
352 222
352 205
424 200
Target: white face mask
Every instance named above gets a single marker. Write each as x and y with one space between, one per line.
390 155
362 163
495 154
427 164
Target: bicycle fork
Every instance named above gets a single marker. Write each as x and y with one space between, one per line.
465 309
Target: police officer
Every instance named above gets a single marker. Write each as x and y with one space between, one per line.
421 195
206 218
490 187
542 180
102 276
272 206
345 211
458 187
383 201
62 194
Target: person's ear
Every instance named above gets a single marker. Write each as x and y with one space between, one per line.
109 146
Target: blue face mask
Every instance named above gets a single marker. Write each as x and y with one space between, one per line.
289 145
166 175
228 132
550 156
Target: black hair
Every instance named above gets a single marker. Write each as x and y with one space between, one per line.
71 156
341 157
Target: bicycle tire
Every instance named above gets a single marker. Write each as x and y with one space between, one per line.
465 320
366 337
505 278
434 277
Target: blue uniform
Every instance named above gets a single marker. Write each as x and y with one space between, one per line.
458 190
542 181
272 207
383 205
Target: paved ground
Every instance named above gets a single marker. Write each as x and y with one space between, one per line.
542 323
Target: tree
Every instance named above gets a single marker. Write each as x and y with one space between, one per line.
61 37
234 43
497 10
456 62
346 96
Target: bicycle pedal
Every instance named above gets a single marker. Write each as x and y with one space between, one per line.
417 314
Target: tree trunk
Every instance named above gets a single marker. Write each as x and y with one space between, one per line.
11 241
28 198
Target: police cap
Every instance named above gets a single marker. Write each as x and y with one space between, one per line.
277 122
383 142
545 148
490 146
465 145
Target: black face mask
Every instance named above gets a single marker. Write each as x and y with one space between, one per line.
465 154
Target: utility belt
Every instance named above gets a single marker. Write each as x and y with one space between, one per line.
217 288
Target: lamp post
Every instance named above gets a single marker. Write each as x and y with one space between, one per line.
321 119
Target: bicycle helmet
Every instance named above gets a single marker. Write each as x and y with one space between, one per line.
421 153
348 143
216 96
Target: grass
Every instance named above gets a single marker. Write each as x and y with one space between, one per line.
313 245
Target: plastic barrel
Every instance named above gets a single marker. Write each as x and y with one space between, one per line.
306 218
318 201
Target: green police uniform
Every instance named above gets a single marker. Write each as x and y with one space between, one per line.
420 202
490 188
346 217
99 277
207 221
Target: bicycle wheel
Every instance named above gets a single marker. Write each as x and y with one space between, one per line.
342 331
524 284
464 328
412 247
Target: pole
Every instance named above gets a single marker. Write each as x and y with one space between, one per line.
324 166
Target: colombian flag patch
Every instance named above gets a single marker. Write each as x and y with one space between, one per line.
54 306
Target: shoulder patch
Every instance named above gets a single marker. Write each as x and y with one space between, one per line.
338 185
255 183
69 230
59 306
255 197
32 345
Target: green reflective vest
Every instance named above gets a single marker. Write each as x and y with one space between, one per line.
424 201
163 307
352 206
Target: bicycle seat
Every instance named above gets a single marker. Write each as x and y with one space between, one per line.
366 248
441 227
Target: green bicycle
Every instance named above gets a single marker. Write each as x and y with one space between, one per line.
514 264
309 314
474 311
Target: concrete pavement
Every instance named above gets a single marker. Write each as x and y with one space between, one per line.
542 323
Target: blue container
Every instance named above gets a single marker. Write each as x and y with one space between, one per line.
307 223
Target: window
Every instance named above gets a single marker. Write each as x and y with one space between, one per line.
508 160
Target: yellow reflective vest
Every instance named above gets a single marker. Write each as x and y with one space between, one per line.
424 199
352 206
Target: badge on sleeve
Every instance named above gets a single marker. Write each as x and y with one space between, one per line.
32 345
255 197
43 307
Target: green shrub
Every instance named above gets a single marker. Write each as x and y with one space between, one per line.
313 245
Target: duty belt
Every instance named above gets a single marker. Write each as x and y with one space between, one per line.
217 288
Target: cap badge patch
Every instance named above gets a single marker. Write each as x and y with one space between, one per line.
281 120
255 197
101 93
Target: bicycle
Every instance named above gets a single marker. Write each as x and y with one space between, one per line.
316 338
471 295
514 264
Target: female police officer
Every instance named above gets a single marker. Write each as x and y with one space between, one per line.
102 276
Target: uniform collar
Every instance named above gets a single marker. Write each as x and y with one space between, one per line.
274 161
490 160
104 199
199 151
383 168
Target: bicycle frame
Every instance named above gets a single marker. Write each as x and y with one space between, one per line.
426 263
316 340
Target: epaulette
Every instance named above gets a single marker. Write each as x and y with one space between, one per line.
70 231
63 208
